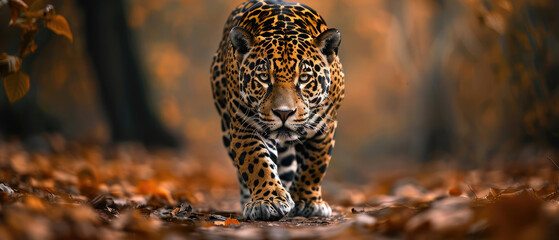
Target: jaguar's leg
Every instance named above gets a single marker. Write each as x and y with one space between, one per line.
255 161
226 138
287 164
244 192
313 157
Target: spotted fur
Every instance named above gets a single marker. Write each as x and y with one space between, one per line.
277 83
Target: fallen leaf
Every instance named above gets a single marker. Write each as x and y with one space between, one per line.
365 220
116 191
208 224
231 221
454 191
145 187
160 195
34 203
449 214
20 164
163 194
88 183
408 188
134 221
182 212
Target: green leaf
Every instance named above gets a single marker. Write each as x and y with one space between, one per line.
16 85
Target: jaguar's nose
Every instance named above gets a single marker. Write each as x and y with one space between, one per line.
283 114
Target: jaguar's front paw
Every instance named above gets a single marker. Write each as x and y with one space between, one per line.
311 209
269 209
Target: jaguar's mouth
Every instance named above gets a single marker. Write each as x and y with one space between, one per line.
284 134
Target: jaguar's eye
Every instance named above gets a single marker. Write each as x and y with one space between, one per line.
303 78
264 76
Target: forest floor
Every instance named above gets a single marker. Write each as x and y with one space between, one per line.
78 192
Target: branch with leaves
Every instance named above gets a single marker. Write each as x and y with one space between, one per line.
30 19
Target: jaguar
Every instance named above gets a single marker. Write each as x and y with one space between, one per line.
277 83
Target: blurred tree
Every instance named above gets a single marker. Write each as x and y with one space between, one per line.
434 127
530 46
122 83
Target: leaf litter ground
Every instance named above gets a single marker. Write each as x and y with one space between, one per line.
79 192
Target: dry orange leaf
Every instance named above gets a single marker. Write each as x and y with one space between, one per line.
150 187
231 221
208 224
28 45
16 85
34 203
454 191
88 184
59 25
163 194
175 211
145 187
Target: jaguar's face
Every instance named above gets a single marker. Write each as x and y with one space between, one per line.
284 82
284 95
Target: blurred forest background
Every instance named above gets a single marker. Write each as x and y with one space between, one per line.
465 81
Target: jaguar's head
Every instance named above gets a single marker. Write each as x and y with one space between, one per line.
285 79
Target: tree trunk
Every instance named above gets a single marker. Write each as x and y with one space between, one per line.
122 84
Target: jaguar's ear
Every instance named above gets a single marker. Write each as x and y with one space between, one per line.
242 41
328 43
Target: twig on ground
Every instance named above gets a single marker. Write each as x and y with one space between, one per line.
551 160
